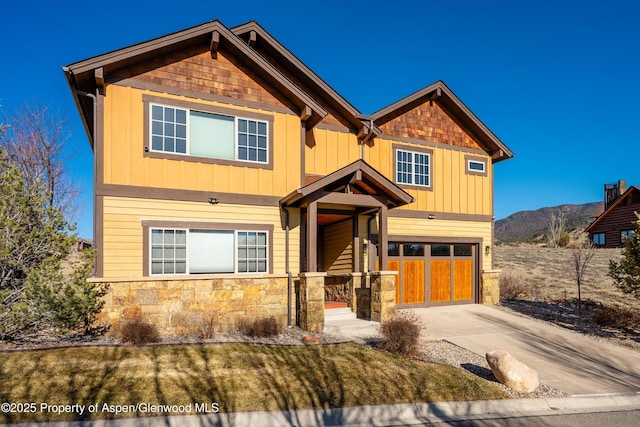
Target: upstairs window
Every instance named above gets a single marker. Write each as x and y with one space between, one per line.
202 134
413 168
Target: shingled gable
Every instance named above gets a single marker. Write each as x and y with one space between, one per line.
258 38
439 93
91 74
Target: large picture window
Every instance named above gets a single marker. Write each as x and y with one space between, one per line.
204 134
196 251
413 168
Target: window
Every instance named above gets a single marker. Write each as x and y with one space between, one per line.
202 134
194 251
598 239
462 250
413 249
626 234
476 165
440 250
413 168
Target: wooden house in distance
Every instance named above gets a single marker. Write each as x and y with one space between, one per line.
230 178
618 221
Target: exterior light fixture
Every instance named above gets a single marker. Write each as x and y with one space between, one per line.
431 216
487 250
214 200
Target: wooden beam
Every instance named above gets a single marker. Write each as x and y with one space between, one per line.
252 38
305 113
383 239
312 237
435 95
99 75
215 41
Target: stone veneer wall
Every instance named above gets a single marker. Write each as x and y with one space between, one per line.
383 295
490 287
180 306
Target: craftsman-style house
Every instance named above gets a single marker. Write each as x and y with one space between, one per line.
231 179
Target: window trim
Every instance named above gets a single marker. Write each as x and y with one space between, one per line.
630 233
147 100
425 151
468 159
148 225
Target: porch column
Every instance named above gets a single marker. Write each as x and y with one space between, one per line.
383 241
312 237
312 301
356 244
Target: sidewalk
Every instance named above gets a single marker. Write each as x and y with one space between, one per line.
383 415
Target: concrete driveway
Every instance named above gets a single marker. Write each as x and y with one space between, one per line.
568 361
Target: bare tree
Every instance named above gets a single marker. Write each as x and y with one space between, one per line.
557 228
581 256
36 140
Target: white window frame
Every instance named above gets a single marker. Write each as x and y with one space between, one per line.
188 130
235 251
477 162
413 163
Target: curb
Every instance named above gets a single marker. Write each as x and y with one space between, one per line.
381 415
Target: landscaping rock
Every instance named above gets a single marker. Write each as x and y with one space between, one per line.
310 339
512 373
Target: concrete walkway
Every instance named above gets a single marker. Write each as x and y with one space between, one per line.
566 360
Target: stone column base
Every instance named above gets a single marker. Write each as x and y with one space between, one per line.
490 287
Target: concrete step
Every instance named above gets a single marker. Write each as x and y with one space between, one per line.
338 314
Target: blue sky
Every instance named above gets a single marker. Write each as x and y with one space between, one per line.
557 81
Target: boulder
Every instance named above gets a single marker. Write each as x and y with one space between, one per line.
512 373
310 339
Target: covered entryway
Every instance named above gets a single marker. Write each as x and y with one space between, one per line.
432 273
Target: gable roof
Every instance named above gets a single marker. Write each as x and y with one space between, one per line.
613 206
87 75
260 39
439 92
360 177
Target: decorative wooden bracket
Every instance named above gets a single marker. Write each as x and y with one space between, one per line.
99 76
215 40
435 95
305 113
252 38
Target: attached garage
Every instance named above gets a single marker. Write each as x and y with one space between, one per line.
432 273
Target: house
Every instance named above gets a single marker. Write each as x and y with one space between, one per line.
231 180
618 220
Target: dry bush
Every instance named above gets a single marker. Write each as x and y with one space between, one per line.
259 328
617 317
208 326
401 334
513 285
138 331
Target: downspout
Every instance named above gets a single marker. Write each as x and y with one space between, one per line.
286 264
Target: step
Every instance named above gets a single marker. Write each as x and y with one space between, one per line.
338 314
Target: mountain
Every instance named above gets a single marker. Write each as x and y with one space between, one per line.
531 225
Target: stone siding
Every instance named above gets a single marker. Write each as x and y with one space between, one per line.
383 295
181 306
490 287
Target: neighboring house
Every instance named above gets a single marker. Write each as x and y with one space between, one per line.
81 245
231 179
618 220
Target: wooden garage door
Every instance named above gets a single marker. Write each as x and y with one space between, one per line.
440 280
413 281
462 280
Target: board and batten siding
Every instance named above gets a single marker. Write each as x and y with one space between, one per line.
123 231
125 163
422 229
338 247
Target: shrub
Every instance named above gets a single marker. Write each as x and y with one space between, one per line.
616 317
259 328
138 331
208 326
513 285
401 334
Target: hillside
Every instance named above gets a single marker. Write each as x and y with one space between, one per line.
531 225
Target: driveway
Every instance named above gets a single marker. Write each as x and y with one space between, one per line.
566 360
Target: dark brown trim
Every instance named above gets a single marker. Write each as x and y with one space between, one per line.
200 225
448 216
360 200
401 238
98 238
173 194
312 237
468 158
146 144
303 154
432 144
395 148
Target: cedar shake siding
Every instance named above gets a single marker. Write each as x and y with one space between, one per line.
429 123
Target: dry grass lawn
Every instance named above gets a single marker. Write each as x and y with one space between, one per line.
548 273
238 377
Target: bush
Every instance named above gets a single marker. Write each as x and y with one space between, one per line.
137 331
513 285
401 335
616 317
208 326
259 328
